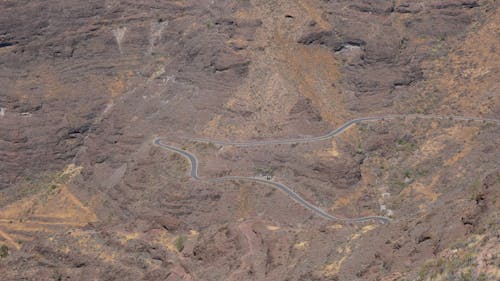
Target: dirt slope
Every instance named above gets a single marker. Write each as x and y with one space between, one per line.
88 85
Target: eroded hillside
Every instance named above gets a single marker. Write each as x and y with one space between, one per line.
87 86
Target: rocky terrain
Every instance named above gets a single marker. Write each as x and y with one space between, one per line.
87 86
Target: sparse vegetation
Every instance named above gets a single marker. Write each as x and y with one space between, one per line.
362 128
413 173
57 276
359 148
482 277
397 185
466 276
179 242
4 251
475 194
405 145
265 171
402 178
460 265
211 145
407 173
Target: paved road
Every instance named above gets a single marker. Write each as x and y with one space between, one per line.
341 129
194 161
194 174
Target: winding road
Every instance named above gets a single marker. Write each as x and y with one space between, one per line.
194 174
194 161
341 129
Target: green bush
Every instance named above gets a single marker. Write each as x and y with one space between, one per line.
179 242
4 251
57 276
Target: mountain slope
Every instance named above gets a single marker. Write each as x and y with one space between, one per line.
87 87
